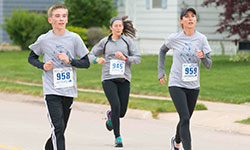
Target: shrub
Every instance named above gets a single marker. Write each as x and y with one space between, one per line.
82 32
24 27
95 34
240 57
90 13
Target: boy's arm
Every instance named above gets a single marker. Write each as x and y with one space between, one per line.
33 60
82 63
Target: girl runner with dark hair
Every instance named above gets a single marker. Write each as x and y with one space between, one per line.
190 47
119 52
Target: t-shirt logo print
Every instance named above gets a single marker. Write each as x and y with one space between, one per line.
59 49
188 52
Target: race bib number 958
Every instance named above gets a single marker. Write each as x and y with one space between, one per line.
63 77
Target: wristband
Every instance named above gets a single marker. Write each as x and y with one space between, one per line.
95 60
126 59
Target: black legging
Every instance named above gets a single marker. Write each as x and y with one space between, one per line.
184 101
117 93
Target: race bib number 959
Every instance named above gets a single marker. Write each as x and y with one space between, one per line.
190 72
63 77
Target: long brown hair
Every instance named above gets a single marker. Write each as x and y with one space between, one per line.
128 29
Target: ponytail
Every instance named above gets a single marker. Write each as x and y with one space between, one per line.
128 29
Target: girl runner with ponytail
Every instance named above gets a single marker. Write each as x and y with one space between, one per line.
119 52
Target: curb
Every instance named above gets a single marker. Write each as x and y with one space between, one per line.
79 106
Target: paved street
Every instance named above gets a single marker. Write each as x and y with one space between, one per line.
24 126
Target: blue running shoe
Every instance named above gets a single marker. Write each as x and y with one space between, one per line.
173 146
108 122
118 142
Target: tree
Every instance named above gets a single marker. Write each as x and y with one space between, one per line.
24 27
235 19
90 13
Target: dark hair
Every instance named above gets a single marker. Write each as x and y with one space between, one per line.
128 29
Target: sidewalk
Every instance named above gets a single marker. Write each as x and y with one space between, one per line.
24 126
219 116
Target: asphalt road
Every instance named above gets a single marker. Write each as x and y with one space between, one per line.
24 126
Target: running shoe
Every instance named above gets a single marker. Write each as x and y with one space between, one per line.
173 147
108 122
118 142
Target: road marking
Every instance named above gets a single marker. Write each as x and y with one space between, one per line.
9 147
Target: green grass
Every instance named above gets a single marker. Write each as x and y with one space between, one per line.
225 82
155 106
245 121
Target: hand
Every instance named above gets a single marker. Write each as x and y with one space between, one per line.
162 81
100 60
48 65
120 55
63 57
199 54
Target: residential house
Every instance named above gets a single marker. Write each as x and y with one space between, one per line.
7 6
156 19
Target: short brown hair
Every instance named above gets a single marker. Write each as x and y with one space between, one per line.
55 7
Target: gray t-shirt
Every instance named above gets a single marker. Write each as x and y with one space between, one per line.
129 50
186 65
49 45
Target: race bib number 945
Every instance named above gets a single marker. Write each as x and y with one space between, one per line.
190 72
63 77
117 67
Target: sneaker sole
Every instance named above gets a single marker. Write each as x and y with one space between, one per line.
119 145
172 144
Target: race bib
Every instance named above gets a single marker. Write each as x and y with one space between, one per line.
190 72
63 77
117 67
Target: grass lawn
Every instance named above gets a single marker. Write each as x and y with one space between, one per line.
155 106
225 82
245 121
